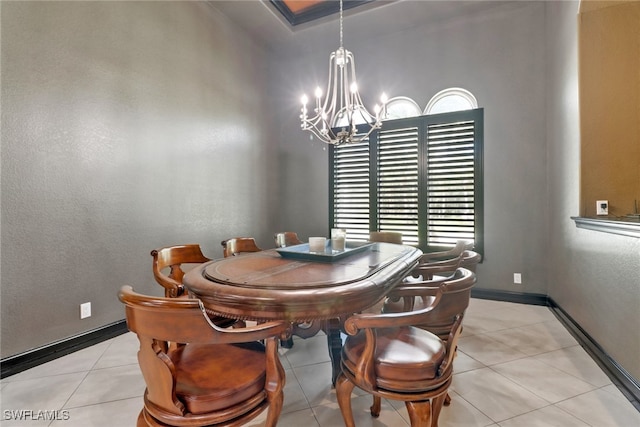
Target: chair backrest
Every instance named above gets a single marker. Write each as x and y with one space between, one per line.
159 321
470 260
172 258
427 268
286 238
238 245
386 236
456 294
460 246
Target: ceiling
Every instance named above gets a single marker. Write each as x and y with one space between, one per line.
298 12
268 24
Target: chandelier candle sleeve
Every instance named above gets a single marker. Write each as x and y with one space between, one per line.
342 107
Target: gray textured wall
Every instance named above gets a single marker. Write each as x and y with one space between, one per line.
125 126
593 276
498 55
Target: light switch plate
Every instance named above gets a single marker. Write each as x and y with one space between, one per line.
85 310
602 207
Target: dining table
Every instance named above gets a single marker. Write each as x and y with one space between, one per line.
315 291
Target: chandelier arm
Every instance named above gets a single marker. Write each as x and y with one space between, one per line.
366 115
332 88
326 106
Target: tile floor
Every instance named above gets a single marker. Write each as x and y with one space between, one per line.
516 367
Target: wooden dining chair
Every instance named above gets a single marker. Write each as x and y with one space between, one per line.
385 355
442 319
238 245
286 238
168 266
216 376
386 236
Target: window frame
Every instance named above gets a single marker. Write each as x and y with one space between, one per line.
422 123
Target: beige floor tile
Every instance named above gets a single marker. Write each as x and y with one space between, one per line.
601 408
549 416
494 320
487 350
123 350
494 395
303 418
545 381
329 415
461 413
106 385
535 339
574 360
308 352
118 413
315 381
43 394
294 397
464 362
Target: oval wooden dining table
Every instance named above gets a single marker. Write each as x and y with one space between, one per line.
267 285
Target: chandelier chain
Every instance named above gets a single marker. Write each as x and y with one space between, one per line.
341 45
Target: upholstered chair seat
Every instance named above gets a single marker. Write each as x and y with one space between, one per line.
405 357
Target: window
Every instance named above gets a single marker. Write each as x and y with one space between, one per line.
452 99
421 176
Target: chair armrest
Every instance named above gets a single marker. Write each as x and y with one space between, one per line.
369 320
279 328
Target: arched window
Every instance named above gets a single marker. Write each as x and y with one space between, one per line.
420 175
451 99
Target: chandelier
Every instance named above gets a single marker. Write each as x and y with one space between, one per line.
342 108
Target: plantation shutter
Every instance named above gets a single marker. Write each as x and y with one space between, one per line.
450 182
420 176
397 181
350 189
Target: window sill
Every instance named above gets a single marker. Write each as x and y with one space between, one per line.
626 227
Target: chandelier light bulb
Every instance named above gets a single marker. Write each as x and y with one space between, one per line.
304 99
354 87
318 92
383 98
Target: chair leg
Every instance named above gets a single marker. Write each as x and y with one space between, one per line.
288 343
141 421
344 387
273 411
437 403
447 400
375 408
419 413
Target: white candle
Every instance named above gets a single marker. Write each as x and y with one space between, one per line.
338 237
317 244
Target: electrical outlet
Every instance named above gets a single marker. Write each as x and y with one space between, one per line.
85 310
517 278
602 207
